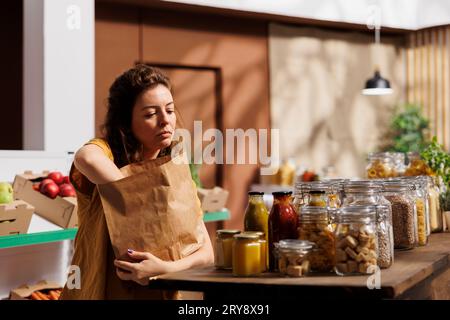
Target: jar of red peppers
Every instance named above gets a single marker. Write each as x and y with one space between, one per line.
283 222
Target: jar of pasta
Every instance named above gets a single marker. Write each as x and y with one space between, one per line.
246 255
417 166
315 226
399 162
223 252
436 217
293 257
356 240
380 165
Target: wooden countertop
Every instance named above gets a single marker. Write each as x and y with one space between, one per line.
412 275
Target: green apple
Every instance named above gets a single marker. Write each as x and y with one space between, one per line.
6 192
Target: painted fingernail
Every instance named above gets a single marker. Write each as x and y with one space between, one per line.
130 251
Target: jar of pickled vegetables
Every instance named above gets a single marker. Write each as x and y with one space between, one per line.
224 245
315 226
293 257
246 255
356 240
380 165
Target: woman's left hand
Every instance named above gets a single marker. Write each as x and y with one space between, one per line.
140 272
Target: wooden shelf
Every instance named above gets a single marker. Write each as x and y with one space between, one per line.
420 273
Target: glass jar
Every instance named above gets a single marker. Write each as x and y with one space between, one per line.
385 234
246 255
224 244
417 166
356 240
264 249
420 192
436 217
380 165
283 222
399 162
293 257
369 192
256 215
315 226
318 194
404 213
337 194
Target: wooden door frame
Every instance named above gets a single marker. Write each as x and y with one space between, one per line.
218 83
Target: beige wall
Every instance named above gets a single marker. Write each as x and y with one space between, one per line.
316 101
428 78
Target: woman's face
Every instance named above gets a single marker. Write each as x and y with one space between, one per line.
153 120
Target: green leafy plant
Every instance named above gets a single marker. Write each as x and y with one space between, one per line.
438 160
408 130
194 174
444 199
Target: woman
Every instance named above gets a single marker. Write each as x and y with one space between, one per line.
140 124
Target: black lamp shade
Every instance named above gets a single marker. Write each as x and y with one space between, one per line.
377 85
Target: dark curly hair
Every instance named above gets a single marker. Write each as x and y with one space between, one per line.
121 100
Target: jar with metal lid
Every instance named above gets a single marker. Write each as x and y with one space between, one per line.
404 212
224 245
315 226
380 165
256 215
264 249
293 257
356 240
246 255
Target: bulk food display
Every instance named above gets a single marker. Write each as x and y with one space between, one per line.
345 226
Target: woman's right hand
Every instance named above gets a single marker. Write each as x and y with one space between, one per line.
92 162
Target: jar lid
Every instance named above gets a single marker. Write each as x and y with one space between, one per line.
246 236
228 231
356 212
363 186
294 244
396 185
258 233
281 193
255 193
316 186
312 213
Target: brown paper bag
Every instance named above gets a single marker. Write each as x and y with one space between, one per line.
154 208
